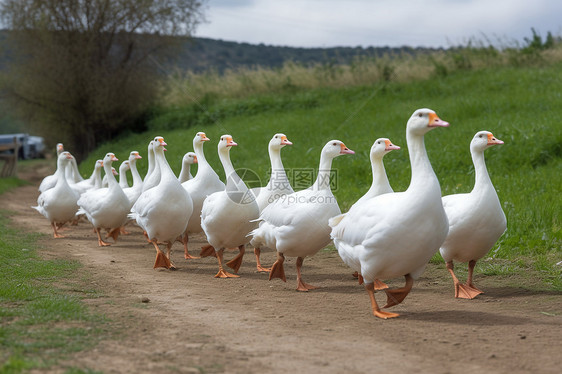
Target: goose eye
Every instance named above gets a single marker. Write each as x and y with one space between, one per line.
420 115
480 135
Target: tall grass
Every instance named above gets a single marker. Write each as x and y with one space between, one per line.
184 88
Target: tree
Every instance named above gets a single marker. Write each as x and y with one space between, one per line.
81 71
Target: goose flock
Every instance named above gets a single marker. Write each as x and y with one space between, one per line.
384 235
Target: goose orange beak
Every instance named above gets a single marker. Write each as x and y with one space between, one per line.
493 140
230 142
345 150
194 159
113 158
389 146
435 121
137 156
204 137
285 141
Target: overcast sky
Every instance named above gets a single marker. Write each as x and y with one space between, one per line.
422 23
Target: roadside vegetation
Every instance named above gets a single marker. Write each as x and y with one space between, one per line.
43 321
514 93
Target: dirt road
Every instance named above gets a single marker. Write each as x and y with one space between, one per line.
195 323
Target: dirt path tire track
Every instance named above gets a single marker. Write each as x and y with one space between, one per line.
196 323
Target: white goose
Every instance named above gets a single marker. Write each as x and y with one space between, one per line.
379 185
72 172
205 182
106 207
58 204
296 225
228 216
135 190
164 210
50 180
396 234
105 180
277 186
123 168
89 183
476 219
189 159
152 177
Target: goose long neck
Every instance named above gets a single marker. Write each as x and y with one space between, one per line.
482 179
61 173
323 179
275 158
379 174
185 171
97 177
224 156
201 160
123 176
111 181
150 163
165 169
277 170
75 171
422 172
137 180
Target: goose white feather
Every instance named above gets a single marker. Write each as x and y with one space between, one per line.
50 180
106 207
58 204
277 186
476 219
296 225
395 234
188 159
135 190
228 216
164 210
205 183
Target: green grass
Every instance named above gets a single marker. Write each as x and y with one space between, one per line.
40 322
7 184
519 105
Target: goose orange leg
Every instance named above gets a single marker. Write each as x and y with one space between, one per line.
223 273
278 270
113 233
184 240
236 262
301 285
101 243
208 250
169 254
463 291
396 296
162 261
377 312
471 265
55 232
380 285
261 269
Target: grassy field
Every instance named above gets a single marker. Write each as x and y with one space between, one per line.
42 319
520 105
